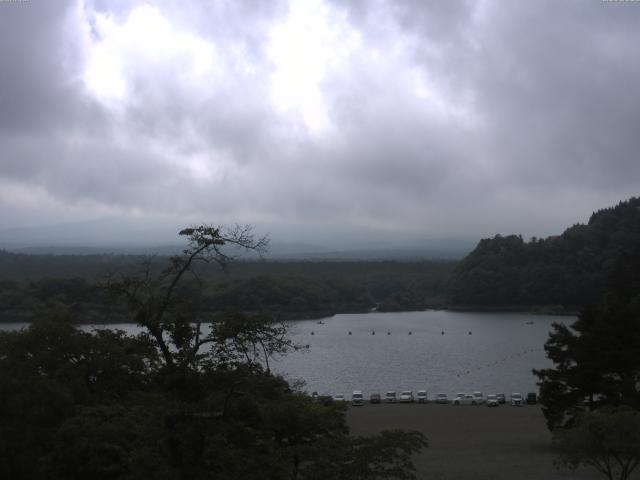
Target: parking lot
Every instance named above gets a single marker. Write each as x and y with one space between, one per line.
471 442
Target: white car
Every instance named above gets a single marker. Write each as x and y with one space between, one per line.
442 398
479 397
406 397
465 399
357 398
422 396
492 400
338 397
516 399
390 397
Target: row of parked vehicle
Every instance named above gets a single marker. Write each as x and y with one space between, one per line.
407 396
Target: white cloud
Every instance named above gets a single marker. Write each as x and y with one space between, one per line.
144 47
311 44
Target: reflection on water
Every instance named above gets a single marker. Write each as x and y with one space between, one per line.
434 350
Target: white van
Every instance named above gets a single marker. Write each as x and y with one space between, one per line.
516 399
357 398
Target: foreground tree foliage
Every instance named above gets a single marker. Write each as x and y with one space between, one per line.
607 439
184 399
597 359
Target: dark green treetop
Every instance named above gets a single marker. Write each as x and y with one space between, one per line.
597 359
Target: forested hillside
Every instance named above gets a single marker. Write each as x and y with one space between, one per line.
32 285
565 271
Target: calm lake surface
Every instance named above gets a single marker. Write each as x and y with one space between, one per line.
490 352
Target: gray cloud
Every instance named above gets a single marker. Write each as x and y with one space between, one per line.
404 118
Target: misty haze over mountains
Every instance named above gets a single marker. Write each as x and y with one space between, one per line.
127 237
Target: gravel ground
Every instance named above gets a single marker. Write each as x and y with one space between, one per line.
472 442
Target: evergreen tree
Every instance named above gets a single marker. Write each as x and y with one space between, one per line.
597 359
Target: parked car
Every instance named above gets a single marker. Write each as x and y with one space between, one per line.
516 399
406 397
532 398
390 396
339 397
357 398
422 396
479 397
442 398
502 398
325 399
492 400
374 398
465 399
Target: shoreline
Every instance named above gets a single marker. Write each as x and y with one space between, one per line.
314 316
550 310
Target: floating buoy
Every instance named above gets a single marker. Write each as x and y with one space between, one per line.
373 333
306 346
388 333
469 333
349 333
312 333
409 333
442 333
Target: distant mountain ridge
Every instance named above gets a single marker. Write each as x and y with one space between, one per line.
104 237
567 270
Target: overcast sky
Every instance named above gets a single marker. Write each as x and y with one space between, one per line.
315 119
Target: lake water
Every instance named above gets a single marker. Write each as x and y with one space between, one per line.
490 352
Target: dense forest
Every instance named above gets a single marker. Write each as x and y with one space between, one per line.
565 271
31 285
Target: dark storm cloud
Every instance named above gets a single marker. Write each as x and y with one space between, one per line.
438 118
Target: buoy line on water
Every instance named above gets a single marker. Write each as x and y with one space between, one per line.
410 332
465 373
501 361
